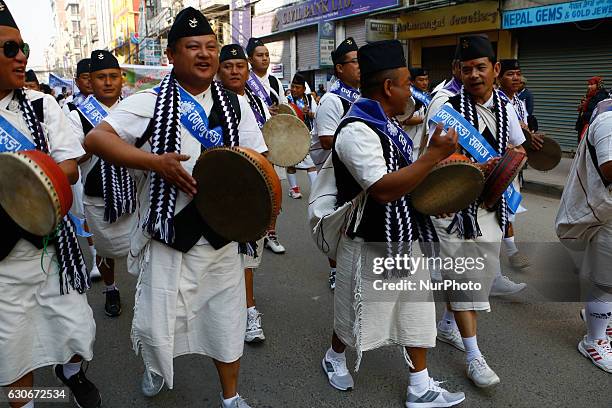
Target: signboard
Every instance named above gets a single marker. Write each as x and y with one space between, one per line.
379 30
310 12
240 19
465 18
558 13
277 70
327 43
139 77
57 83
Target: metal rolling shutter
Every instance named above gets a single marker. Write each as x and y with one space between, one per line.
280 53
356 28
557 64
308 49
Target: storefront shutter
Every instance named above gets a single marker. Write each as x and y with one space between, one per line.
308 49
356 28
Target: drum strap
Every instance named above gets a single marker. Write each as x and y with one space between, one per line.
593 154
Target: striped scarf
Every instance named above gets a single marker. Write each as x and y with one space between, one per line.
166 138
73 271
465 223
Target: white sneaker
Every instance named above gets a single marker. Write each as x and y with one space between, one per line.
152 383
271 242
519 261
481 374
433 396
239 402
337 373
254 333
608 329
503 286
294 192
599 351
452 336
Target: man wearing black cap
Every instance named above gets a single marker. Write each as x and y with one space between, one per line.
372 158
233 78
233 74
332 107
44 315
31 81
509 84
191 290
307 104
109 191
475 229
265 85
420 95
81 79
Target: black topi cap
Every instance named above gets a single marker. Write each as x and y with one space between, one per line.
508 64
344 48
102 59
252 44
475 46
83 66
380 56
30 76
6 18
299 79
232 51
189 22
417 72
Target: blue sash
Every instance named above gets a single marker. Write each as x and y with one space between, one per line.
256 86
92 110
344 91
453 86
11 139
421 96
195 120
371 112
261 120
471 140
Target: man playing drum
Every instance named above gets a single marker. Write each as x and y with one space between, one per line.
44 315
269 89
307 104
332 107
476 232
109 191
190 297
420 93
371 153
233 74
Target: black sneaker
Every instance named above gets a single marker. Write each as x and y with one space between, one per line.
112 307
85 393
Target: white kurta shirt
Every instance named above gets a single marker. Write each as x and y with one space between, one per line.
265 81
327 119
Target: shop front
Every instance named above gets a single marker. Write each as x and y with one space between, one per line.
561 46
433 34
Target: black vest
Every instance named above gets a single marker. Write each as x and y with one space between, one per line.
372 225
189 226
274 85
11 233
93 181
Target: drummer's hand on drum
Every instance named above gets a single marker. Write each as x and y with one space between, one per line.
488 166
443 146
169 166
537 141
273 109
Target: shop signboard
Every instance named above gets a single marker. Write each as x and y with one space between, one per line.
310 12
464 18
379 30
327 43
557 13
240 18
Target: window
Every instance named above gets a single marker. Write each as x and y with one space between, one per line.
74 9
76 27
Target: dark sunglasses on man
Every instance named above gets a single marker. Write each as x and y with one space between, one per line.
12 48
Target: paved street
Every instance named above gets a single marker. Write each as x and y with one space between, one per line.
532 346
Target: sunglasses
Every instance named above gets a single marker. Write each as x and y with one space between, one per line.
12 48
351 61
